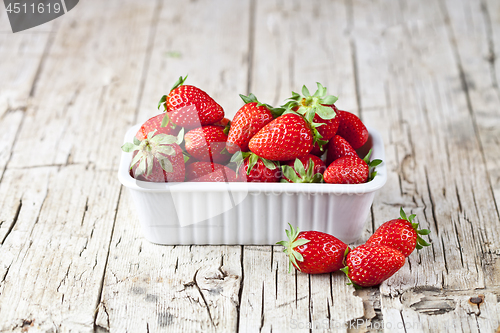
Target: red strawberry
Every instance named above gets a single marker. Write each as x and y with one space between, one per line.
157 158
318 150
369 265
313 252
347 170
338 147
317 109
222 123
305 169
400 234
285 138
154 123
352 129
209 172
252 168
190 107
249 119
207 144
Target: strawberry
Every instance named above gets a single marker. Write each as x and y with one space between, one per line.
224 122
157 158
400 234
338 147
209 172
318 109
352 129
313 252
154 123
253 168
347 170
369 265
189 106
285 138
249 119
305 169
318 150
207 144
351 170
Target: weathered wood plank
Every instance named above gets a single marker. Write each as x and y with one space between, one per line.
209 42
88 88
297 43
433 152
53 257
167 288
26 53
180 289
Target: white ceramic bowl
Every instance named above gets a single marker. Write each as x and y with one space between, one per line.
249 213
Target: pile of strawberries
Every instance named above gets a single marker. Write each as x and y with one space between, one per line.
192 141
367 265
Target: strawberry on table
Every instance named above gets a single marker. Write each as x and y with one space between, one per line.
338 147
189 106
153 124
209 172
352 129
249 119
207 144
157 158
313 252
285 138
401 234
369 265
305 169
253 168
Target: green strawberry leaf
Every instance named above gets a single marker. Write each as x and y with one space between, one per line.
402 214
374 163
136 141
367 157
422 242
305 91
149 163
180 136
329 100
249 99
411 217
165 163
252 160
419 247
128 147
179 82
165 120
290 173
325 112
299 167
423 232
268 163
162 101
186 157
136 159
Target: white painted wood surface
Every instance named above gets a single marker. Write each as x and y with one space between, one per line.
72 258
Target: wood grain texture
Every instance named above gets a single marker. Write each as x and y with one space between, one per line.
72 256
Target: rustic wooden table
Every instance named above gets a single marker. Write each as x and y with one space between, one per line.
72 257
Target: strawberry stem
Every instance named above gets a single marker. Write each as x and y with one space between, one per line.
290 246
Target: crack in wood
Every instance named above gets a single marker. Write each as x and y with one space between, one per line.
14 221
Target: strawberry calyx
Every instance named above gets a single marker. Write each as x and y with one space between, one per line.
371 165
420 241
180 81
304 176
154 146
276 112
310 105
290 246
239 157
351 282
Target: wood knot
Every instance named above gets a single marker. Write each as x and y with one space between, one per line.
476 300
